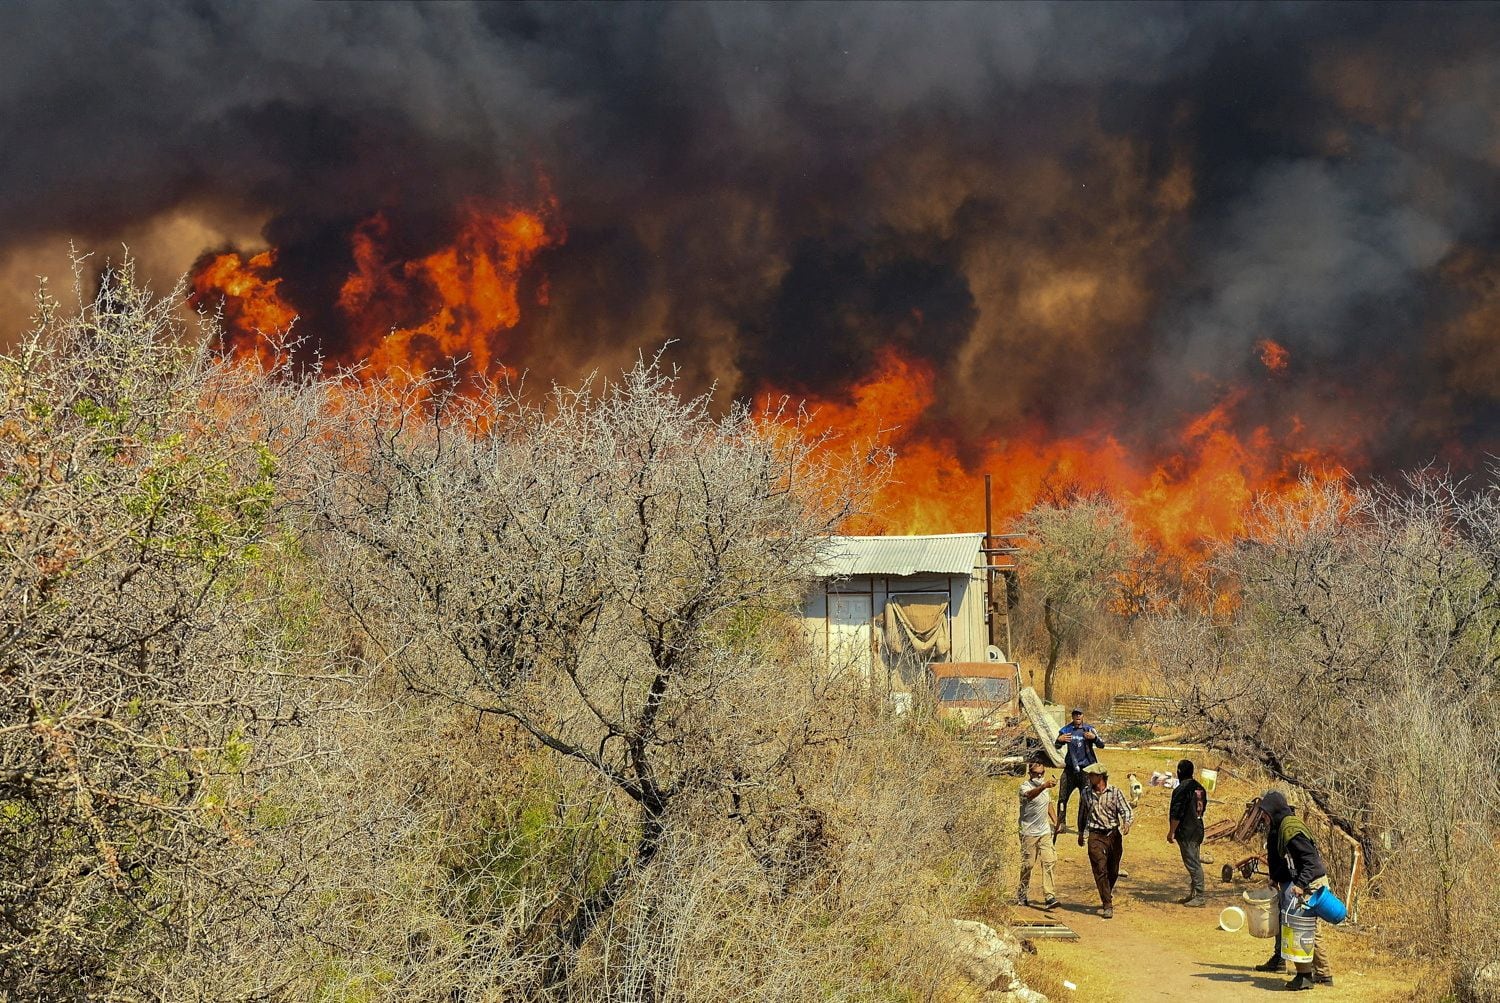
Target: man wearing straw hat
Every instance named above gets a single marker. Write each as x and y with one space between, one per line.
1296 868
1105 821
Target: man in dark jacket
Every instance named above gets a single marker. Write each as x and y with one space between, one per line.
1081 740
1185 828
1296 869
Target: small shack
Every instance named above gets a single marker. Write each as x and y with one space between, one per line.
886 606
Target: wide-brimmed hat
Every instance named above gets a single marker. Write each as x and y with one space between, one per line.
1097 769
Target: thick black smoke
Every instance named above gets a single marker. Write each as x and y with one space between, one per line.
1080 214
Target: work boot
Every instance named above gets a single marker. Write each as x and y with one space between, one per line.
1323 980
1186 899
1195 901
1051 903
1021 900
1300 982
1275 963
1107 912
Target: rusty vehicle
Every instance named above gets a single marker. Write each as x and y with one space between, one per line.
987 703
978 697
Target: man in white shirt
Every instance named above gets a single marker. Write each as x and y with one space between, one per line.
1038 825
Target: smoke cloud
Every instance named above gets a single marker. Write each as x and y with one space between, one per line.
1082 217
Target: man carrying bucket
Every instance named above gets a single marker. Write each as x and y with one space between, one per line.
1296 869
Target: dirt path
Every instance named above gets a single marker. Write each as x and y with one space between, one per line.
1156 950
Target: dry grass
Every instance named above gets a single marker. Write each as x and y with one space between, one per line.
1155 949
1092 683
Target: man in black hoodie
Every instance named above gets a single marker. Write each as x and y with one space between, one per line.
1296 869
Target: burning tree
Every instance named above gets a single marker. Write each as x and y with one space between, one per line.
605 571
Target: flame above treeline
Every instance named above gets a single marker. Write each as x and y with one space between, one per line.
462 303
452 305
1178 252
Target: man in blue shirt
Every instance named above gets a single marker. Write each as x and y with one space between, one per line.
1081 740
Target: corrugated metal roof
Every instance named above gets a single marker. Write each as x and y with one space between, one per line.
948 554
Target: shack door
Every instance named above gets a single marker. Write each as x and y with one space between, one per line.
849 634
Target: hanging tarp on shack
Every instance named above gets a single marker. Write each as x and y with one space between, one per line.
916 633
917 626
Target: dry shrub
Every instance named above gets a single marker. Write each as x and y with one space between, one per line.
152 673
890 835
1358 664
451 699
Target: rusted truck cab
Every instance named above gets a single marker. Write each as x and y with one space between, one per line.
982 697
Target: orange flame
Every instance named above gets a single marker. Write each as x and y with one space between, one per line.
1273 356
1200 492
412 316
252 304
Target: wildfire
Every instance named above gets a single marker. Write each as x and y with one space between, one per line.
251 301
1196 488
399 313
403 315
1273 356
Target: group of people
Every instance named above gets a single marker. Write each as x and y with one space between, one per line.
1105 816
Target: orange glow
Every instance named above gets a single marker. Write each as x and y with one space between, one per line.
1272 355
1196 491
252 304
408 315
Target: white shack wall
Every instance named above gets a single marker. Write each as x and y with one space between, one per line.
966 601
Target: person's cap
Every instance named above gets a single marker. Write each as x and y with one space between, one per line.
1097 769
1077 710
1272 802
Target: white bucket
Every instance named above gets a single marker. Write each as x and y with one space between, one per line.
1232 919
1299 931
1258 905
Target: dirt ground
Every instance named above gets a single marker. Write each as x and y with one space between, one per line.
1154 949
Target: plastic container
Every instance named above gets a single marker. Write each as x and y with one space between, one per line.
1325 905
1232 919
1209 779
1260 904
1299 931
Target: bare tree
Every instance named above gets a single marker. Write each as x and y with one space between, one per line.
1355 658
1076 552
602 570
141 654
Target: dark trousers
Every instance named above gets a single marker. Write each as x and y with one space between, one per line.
1189 848
1072 780
1105 849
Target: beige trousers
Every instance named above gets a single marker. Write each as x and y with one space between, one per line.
1034 850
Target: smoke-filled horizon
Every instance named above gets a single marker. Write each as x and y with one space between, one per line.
1084 219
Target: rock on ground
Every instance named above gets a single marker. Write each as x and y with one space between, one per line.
988 958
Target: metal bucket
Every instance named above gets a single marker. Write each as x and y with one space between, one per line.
1299 931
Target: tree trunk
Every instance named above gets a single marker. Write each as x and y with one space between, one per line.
1054 648
594 908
